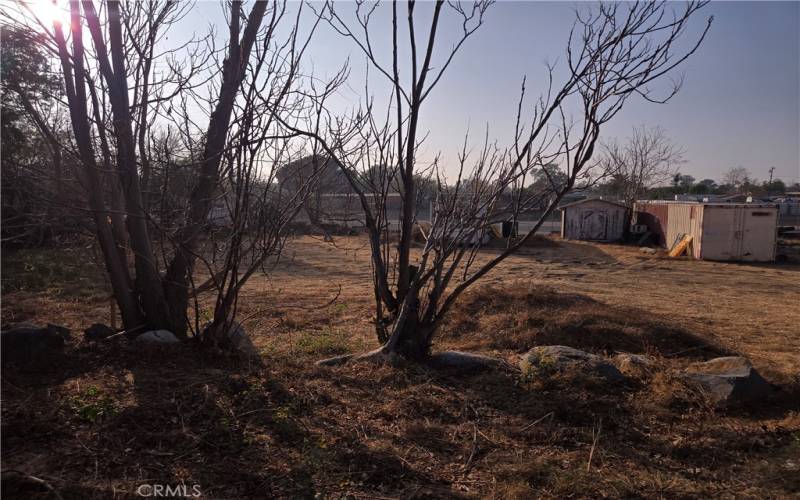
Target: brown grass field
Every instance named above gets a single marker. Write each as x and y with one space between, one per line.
108 419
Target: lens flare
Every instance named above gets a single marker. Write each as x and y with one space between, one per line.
50 12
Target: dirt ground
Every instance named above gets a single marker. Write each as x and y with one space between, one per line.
107 420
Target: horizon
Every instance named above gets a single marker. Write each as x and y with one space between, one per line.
739 105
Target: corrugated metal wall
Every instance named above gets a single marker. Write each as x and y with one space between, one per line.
686 218
655 216
594 220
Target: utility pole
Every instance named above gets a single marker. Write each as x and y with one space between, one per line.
769 186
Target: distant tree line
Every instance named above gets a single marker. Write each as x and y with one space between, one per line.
737 180
647 165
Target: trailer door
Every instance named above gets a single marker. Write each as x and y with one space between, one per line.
719 240
758 232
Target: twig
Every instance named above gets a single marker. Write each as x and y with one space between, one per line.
484 436
260 410
474 451
124 332
536 421
595 438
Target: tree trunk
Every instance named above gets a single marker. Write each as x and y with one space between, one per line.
179 272
410 337
413 343
117 213
148 279
76 95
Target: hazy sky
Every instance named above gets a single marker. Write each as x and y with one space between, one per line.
740 104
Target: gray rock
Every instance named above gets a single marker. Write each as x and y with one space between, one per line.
558 358
98 331
728 380
648 250
633 364
25 343
241 343
157 337
237 340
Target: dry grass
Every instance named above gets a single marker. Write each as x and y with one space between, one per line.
522 315
109 419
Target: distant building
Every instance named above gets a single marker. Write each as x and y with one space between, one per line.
594 219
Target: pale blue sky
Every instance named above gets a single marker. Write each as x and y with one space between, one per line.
740 104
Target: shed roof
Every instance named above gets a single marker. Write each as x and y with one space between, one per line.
586 200
708 203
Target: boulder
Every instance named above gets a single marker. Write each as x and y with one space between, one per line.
237 341
98 331
728 380
157 337
633 364
241 343
558 358
27 343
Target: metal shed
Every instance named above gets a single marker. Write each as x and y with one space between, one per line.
594 220
719 231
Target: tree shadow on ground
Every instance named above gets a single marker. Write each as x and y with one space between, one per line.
553 249
117 417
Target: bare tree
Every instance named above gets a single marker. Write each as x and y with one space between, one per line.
736 177
123 91
614 52
648 158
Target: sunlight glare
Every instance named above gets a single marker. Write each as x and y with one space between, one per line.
50 12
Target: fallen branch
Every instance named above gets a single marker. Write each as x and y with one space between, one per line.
379 356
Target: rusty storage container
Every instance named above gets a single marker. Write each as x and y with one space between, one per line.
654 215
